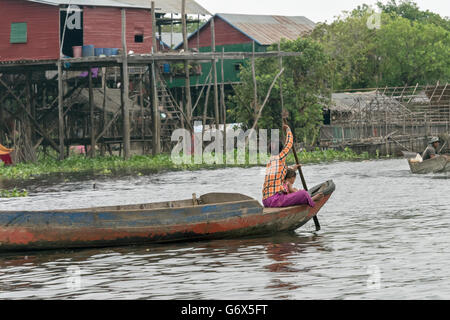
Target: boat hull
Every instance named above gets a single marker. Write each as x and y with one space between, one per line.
436 165
103 227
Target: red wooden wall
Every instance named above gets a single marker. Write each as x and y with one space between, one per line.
103 28
225 34
42 29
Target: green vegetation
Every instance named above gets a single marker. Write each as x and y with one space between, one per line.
139 165
303 87
15 193
329 155
407 46
392 44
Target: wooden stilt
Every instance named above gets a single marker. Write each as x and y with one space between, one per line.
91 109
205 110
60 111
141 98
280 61
222 94
188 110
255 88
34 122
214 66
125 88
105 116
156 143
29 151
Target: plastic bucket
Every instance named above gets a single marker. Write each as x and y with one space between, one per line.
107 52
115 51
98 51
166 68
88 51
77 51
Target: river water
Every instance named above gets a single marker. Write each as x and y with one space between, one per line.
385 235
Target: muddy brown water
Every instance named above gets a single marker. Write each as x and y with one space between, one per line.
385 235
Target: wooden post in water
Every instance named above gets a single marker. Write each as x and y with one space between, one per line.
156 139
205 110
222 95
255 88
91 108
153 13
30 154
104 117
141 98
188 110
125 87
214 66
280 62
60 111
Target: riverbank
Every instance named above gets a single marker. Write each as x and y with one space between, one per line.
140 165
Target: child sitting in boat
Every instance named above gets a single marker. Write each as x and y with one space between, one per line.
289 180
276 169
288 185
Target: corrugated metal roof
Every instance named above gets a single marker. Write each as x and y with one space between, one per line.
269 29
163 6
170 6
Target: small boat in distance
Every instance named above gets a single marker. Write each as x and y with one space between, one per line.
437 164
211 216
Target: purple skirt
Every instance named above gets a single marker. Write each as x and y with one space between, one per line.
288 200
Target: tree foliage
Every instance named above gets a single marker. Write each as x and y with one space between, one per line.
409 46
304 86
405 46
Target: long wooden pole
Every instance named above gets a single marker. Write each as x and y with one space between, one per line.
280 62
153 13
222 99
141 98
28 127
316 220
104 116
205 111
156 132
125 87
214 66
186 66
91 108
255 88
60 111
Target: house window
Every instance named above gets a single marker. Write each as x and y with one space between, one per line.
139 38
18 32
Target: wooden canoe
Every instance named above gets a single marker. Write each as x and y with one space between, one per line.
436 165
213 216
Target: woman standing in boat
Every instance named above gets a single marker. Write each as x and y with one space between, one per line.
276 170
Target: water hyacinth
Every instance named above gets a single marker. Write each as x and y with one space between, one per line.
15 193
141 164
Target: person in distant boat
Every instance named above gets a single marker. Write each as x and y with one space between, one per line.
276 173
431 151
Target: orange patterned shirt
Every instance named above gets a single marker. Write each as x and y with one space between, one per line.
276 169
